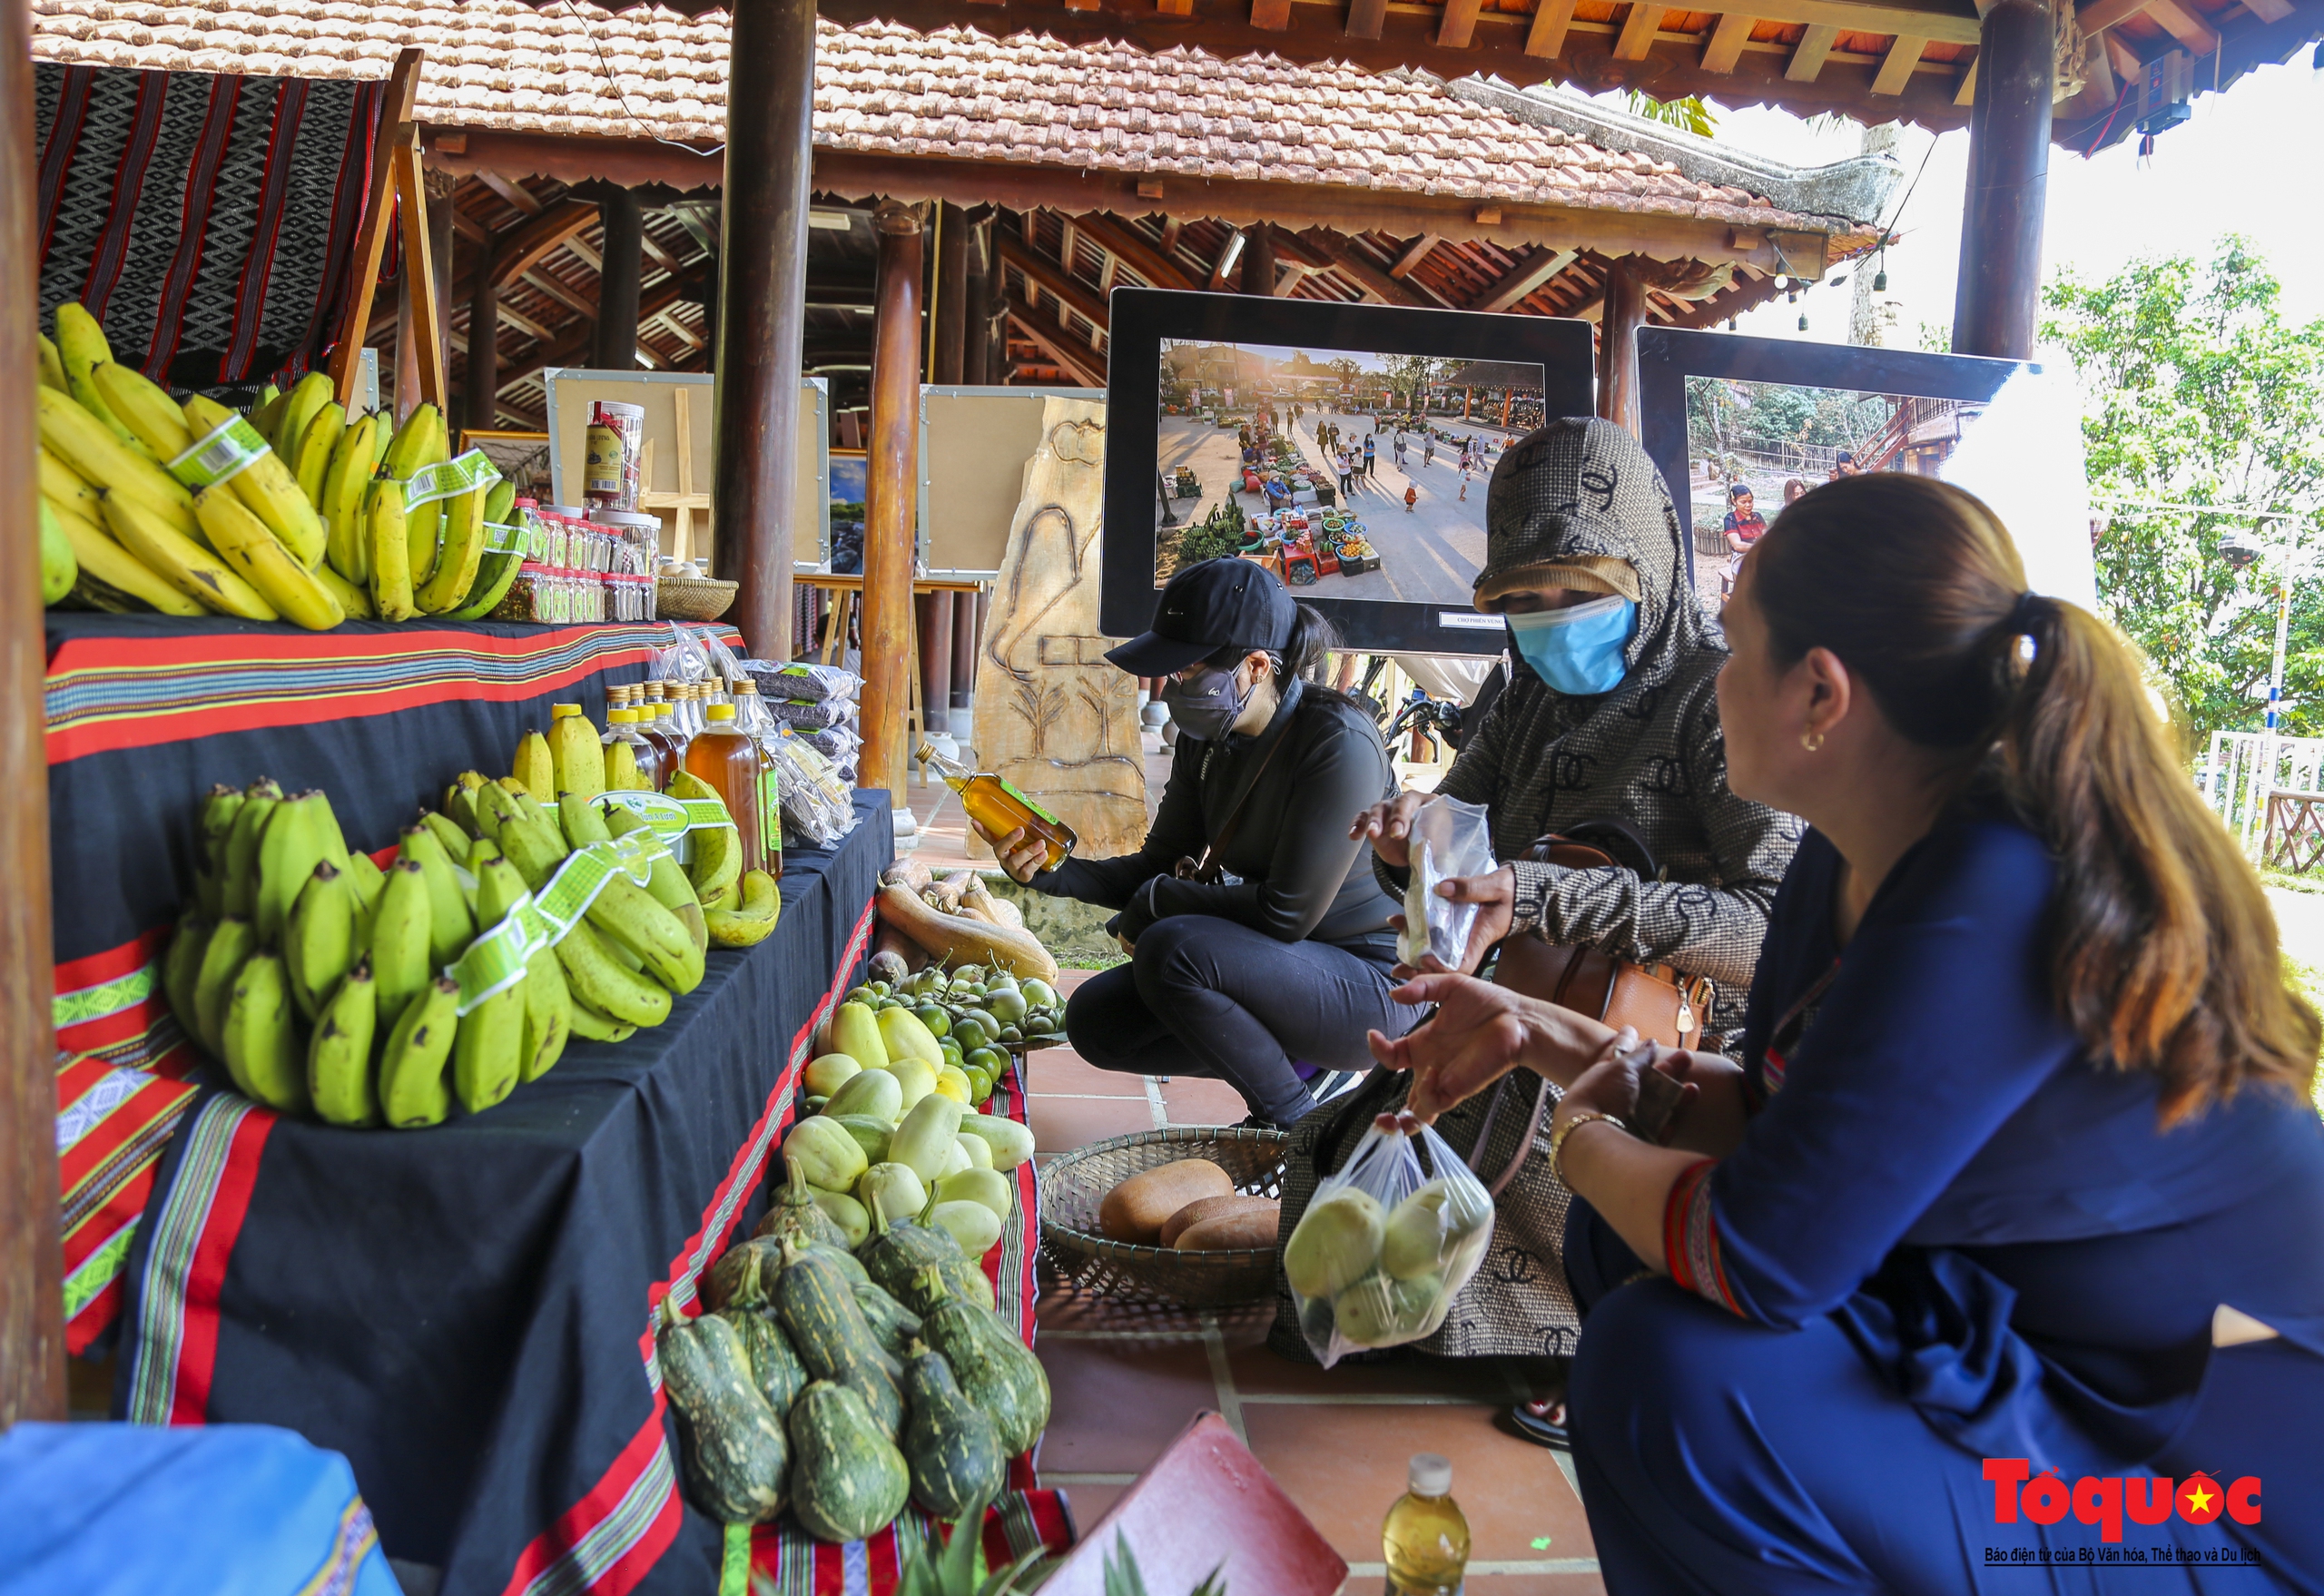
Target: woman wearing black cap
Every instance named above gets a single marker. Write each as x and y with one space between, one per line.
1267 973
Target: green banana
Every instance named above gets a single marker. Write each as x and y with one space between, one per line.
320 942
335 848
462 554
182 968
218 811
481 852
451 925
580 820
262 1050
628 915
717 850
498 501
240 898
487 1049
419 443
529 846
533 809
669 886
231 946
596 978
338 1058
364 876
459 808
455 840
548 1014
495 805
293 845
591 1026
300 405
411 1069
399 927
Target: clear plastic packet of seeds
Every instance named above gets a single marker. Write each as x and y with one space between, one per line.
1448 839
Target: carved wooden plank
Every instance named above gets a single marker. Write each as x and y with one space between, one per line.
1814 46
1366 18
1726 41
1546 37
1897 66
1460 23
1052 717
1638 28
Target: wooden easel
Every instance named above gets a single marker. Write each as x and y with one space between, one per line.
395 176
685 501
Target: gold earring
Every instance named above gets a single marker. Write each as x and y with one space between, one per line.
1811 739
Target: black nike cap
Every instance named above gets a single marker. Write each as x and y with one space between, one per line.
1207 607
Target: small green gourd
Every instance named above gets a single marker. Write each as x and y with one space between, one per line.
848 1481
900 1248
743 1276
732 1444
894 1324
998 1370
775 1368
951 1446
795 1214
815 1303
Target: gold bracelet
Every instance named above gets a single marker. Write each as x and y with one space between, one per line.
1557 1137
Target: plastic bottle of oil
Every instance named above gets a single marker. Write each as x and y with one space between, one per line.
621 726
758 725
724 757
1425 1542
1000 808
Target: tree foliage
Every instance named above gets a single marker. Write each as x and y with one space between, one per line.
2196 391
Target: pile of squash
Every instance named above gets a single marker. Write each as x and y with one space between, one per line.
841 1380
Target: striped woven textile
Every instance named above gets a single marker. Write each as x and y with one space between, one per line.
207 220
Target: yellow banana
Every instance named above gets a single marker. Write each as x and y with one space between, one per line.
267 488
58 569
262 1037
384 531
145 408
354 600
299 407
81 347
345 546
411 1070
99 459
338 1059
419 443
51 366
748 926
247 544
548 1014
462 553
67 486
310 459
399 939
115 570
576 753
536 769
182 562
628 916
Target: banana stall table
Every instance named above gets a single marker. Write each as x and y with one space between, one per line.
466 1313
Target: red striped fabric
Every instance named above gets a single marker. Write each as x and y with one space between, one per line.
201 189
129 178
197 1359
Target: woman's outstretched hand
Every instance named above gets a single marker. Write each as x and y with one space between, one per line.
1614 1083
1478 1034
1387 826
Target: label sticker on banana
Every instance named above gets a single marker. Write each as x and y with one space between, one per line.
539 921
450 479
502 538
495 960
232 447
670 817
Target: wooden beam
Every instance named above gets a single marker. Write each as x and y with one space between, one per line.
619 278
1815 47
1545 38
1271 15
467 226
540 238
419 268
652 251
892 495
1366 18
1123 242
579 343
1383 285
481 400
2268 11
541 282
1625 313
1258 259
1414 253
1071 292
1638 29
1538 265
1726 41
1897 66
1996 304
371 241
1223 273
1967 93
508 189
1083 366
1458 24
2182 24
525 324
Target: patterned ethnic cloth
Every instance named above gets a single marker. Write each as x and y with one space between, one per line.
1650 753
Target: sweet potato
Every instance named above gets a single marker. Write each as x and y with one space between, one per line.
983 902
1137 1208
1209 1208
1245 1228
955 939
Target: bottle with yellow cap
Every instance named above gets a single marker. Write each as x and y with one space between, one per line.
629 755
724 757
576 757
760 726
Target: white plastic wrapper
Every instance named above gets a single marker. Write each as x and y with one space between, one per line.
1388 1242
1448 839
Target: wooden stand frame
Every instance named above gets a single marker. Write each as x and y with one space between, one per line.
397 185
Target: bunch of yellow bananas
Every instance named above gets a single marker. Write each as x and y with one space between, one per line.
278 515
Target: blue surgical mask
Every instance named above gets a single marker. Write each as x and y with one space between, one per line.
1205 702
1577 650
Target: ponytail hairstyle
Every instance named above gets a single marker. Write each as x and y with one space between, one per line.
1306 655
2164 947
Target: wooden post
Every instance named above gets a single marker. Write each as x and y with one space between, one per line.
1997 299
1625 313
427 321
371 242
976 355
934 614
1259 260
483 408
32 1293
892 495
439 186
624 253
407 362
965 638
761 286
951 311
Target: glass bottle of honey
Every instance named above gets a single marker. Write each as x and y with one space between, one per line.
724 757
1000 808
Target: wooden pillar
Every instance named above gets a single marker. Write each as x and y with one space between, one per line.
624 264
32 1293
976 348
965 634
1468 401
1997 299
891 494
481 411
407 351
951 306
761 286
1258 259
1625 313
440 234
933 611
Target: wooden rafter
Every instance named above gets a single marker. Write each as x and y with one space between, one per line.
1638 29
1221 274
1053 279
540 238
1728 38
513 191
1414 253
1380 282
1085 364
1123 241
1540 264
1815 47
1545 38
1897 66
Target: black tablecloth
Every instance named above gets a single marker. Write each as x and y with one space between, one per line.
466 1312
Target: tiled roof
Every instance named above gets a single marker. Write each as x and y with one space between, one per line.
882 89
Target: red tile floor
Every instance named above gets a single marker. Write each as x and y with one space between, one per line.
1336 1440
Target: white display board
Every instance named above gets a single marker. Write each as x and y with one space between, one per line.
973 446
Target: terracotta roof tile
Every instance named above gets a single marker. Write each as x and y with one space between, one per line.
499 64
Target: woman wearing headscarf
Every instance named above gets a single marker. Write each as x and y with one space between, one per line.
1610 714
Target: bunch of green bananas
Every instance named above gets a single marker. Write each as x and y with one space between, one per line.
291 536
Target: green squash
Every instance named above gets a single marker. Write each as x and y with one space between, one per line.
732 1446
952 1449
892 1325
998 1370
900 1248
743 1276
775 1368
815 1302
794 1214
848 1481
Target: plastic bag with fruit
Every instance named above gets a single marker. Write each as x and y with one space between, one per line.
1387 1243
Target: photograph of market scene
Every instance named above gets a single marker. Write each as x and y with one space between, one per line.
1360 473
1752 447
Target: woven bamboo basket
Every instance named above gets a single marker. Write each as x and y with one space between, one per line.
1076 1183
691 598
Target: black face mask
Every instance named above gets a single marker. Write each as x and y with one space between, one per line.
1204 702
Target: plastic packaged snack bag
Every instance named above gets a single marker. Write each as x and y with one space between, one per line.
1387 1243
804 679
1449 839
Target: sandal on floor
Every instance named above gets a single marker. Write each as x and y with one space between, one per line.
1532 1421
